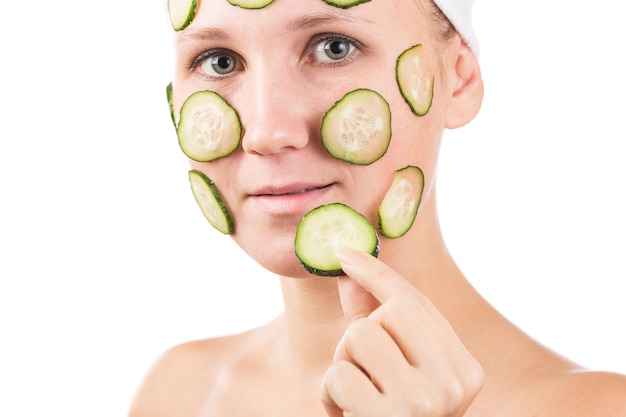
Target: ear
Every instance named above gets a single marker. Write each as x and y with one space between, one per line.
467 84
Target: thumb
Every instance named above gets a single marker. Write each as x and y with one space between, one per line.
356 301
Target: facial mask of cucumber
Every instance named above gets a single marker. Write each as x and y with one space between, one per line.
357 129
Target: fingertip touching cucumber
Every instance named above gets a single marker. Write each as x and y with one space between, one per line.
415 79
328 228
169 92
208 128
357 129
345 4
251 4
210 202
182 12
398 209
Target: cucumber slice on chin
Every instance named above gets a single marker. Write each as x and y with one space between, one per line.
209 128
415 79
357 129
210 202
182 12
328 228
398 209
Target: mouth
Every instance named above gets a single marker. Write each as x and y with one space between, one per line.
288 190
289 199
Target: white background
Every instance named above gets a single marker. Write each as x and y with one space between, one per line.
105 261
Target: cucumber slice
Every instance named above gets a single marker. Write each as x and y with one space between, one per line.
345 4
250 4
209 128
169 92
399 207
210 201
357 129
415 79
327 228
182 12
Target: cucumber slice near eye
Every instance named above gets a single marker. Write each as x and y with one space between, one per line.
210 202
415 79
344 4
398 210
182 12
357 129
250 4
328 228
209 128
169 92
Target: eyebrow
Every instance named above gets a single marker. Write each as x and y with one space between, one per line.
203 34
319 19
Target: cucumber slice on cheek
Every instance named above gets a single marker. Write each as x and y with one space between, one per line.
209 128
398 210
182 12
210 202
169 92
357 129
415 80
328 228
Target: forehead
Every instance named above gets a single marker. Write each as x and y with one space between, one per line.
218 18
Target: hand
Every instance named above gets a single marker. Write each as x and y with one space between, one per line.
399 356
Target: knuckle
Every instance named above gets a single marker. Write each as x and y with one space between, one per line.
357 331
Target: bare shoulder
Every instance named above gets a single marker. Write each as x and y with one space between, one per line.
182 376
582 394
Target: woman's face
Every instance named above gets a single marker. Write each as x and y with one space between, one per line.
282 67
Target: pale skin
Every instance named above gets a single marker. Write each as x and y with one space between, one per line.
402 335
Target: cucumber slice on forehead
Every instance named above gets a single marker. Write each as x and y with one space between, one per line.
398 210
182 12
357 129
344 4
415 79
210 202
250 4
209 128
328 228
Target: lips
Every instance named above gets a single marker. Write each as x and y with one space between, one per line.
295 198
287 190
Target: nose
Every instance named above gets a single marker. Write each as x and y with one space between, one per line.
275 112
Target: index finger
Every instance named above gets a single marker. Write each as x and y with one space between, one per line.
379 279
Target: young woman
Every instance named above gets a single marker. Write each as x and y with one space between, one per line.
404 334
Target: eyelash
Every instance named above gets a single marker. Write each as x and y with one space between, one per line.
196 61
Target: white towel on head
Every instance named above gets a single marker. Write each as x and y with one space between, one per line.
459 12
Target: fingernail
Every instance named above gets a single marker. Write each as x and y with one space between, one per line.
351 257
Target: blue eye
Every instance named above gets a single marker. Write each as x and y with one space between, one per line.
333 49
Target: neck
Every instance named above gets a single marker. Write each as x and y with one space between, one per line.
314 321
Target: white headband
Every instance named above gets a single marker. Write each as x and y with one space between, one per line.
459 12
